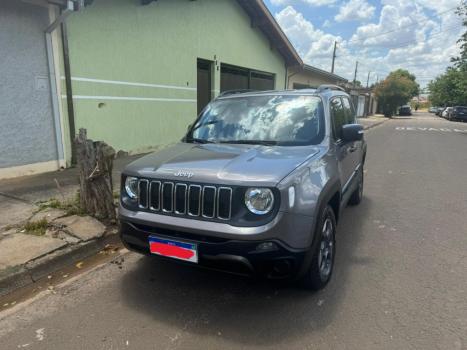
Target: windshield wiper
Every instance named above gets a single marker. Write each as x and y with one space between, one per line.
252 142
195 140
196 127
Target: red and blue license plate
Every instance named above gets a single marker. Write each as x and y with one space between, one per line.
173 249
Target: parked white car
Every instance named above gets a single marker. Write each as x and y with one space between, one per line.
446 112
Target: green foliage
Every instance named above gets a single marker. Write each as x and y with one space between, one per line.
461 61
36 228
399 73
450 88
72 206
396 90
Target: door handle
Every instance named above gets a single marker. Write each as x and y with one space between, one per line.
352 149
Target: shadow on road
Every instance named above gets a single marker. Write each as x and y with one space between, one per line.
238 309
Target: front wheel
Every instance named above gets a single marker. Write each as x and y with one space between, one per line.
322 263
357 195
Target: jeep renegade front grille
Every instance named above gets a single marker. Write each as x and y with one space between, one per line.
207 201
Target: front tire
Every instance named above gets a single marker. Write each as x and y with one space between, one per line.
357 195
322 263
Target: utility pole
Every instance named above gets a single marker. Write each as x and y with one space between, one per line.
334 56
368 79
355 75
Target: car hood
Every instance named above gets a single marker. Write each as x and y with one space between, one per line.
222 163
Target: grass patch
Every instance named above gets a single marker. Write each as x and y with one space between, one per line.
71 206
36 228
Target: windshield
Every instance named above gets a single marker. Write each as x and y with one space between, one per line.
273 120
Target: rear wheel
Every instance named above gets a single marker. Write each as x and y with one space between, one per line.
322 263
357 195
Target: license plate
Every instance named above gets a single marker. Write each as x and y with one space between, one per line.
173 249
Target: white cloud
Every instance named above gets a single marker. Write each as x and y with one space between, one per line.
327 23
355 10
404 36
314 3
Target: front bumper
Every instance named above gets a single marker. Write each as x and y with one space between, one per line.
235 255
294 230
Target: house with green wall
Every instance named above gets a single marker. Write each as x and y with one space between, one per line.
134 73
140 74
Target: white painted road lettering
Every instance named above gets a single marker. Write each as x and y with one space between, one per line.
412 128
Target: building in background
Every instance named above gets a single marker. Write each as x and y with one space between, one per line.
134 73
306 77
140 74
30 134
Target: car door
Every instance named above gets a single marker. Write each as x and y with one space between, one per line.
355 148
344 156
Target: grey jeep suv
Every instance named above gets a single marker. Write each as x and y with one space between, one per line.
256 186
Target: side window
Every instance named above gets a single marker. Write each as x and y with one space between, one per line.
349 110
338 117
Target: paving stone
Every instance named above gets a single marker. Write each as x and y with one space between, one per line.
83 227
8 232
49 214
13 212
18 249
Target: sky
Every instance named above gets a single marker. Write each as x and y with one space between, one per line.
417 35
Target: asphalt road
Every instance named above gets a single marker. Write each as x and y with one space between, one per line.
400 280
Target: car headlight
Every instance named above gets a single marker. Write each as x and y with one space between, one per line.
259 200
131 187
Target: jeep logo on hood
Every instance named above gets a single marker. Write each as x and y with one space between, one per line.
184 173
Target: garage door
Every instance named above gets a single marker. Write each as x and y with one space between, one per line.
238 78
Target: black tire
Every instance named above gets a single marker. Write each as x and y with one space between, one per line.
357 195
320 270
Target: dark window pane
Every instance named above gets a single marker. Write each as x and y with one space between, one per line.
349 111
338 117
203 84
233 78
260 81
299 86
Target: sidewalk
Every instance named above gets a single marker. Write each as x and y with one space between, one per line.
37 237
372 121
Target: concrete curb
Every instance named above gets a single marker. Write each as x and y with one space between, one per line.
17 278
367 127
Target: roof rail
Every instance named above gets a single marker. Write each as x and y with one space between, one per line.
233 92
329 87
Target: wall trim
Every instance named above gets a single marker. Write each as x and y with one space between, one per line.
129 83
29 169
131 98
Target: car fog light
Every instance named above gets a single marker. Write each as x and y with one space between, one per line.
265 246
131 187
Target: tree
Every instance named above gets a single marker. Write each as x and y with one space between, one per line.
405 73
461 60
396 90
450 88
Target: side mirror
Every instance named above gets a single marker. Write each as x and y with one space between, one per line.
189 127
352 132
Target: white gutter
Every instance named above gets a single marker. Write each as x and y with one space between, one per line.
53 82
